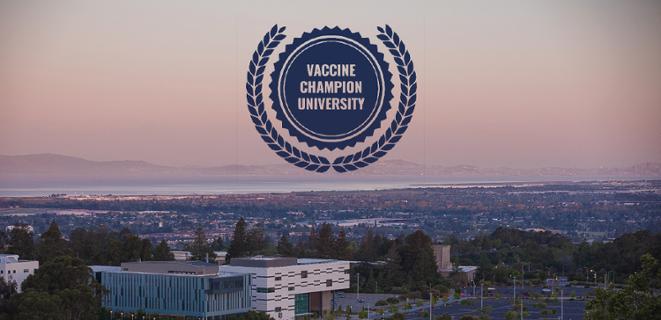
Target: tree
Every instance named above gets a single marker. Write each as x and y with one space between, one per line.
285 248
162 252
7 291
256 240
342 247
64 282
200 248
324 242
239 245
637 300
38 305
130 245
52 244
368 246
4 239
218 244
146 252
21 243
418 258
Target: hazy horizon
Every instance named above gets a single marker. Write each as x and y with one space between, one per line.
508 84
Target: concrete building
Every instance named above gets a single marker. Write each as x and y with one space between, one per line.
12 269
174 288
291 288
221 256
180 255
465 274
442 255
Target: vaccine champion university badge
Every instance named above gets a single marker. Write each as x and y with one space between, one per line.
331 90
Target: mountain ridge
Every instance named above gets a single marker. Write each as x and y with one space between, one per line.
49 167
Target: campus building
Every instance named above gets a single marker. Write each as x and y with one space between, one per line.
174 288
12 269
290 288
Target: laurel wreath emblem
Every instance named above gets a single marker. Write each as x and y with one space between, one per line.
316 163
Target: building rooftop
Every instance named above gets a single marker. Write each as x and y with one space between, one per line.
187 268
11 258
270 262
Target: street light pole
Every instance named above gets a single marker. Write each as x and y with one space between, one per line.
431 302
523 277
514 284
482 295
358 287
562 304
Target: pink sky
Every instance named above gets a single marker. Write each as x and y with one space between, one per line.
511 83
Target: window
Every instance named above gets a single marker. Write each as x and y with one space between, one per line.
278 309
291 288
265 290
26 270
347 271
329 283
304 274
278 278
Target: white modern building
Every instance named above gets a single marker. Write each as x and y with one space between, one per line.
12 269
289 288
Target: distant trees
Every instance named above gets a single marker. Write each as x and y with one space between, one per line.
162 252
102 246
285 248
246 242
322 243
506 251
239 245
200 248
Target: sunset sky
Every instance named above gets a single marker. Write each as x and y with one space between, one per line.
501 83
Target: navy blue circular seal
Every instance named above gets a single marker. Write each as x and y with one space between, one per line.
331 88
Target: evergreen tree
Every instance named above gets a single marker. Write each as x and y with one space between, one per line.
4 240
162 252
218 244
130 246
21 243
239 245
313 239
393 267
325 240
200 248
256 240
342 247
52 244
418 259
285 248
146 252
367 250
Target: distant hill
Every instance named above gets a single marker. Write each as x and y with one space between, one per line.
36 169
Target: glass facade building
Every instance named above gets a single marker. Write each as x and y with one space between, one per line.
206 296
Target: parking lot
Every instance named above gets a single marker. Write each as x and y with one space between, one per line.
537 303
